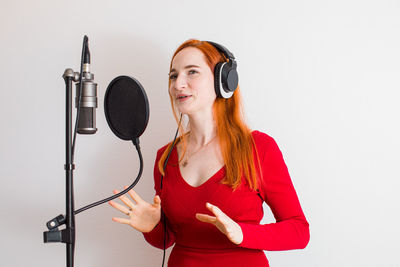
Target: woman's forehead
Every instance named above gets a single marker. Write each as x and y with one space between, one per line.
189 56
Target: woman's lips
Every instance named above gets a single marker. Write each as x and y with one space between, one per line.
184 98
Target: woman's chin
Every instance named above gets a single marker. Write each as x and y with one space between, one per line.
184 110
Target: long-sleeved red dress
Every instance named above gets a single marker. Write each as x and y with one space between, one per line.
199 244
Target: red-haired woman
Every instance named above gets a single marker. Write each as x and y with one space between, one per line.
209 197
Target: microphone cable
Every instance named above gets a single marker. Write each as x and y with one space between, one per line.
84 47
122 192
161 185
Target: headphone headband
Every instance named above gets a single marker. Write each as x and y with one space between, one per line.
223 50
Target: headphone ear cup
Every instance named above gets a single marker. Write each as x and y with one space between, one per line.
230 79
217 79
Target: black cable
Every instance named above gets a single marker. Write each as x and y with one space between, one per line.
169 153
161 185
122 192
84 47
165 235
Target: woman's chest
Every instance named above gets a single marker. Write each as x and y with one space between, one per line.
200 166
182 201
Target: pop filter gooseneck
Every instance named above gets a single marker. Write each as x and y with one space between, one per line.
127 112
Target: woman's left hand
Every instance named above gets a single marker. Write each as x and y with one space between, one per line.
225 224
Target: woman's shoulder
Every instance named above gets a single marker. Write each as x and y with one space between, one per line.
161 150
266 146
261 138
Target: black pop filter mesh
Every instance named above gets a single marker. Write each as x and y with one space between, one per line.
126 107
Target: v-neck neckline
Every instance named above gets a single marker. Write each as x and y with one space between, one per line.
211 178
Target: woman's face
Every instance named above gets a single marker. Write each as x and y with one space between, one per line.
192 79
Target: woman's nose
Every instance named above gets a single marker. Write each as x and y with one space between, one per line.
180 81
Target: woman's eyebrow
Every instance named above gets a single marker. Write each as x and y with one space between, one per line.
187 67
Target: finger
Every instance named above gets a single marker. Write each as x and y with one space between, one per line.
157 201
119 207
135 196
121 220
125 199
214 209
206 218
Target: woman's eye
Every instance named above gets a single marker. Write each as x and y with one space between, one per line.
192 71
172 76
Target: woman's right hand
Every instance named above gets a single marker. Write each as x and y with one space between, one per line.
143 216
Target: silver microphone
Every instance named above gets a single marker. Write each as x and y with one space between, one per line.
87 115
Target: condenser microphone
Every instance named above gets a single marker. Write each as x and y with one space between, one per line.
87 98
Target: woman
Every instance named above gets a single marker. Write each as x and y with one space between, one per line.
217 177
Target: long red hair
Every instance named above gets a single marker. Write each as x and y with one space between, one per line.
234 136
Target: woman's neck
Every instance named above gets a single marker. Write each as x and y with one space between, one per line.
202 128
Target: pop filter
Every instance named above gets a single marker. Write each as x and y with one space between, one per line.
127 113
126 108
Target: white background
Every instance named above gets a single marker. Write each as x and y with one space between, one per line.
321 77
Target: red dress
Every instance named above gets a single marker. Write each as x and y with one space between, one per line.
199 244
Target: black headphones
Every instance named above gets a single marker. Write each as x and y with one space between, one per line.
226 78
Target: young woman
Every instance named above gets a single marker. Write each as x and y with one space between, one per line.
209 197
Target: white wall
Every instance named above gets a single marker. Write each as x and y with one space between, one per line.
321 77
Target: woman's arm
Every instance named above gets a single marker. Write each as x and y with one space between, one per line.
156 236
291 230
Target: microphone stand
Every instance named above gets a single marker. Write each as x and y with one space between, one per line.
69 237
66 235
